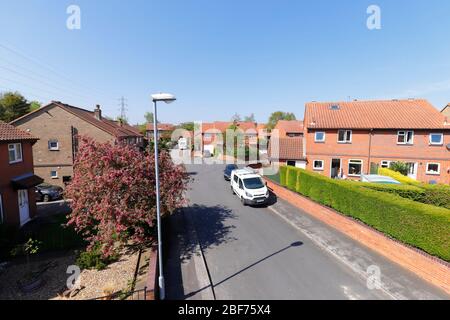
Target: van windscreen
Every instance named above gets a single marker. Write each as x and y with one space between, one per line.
253 183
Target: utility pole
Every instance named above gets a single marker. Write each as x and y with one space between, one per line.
123 108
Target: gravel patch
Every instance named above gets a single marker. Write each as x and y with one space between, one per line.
116 277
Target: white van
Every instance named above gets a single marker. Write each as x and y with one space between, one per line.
249 187
182 144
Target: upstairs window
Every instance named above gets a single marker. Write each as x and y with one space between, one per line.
345 136
53 145
405 137
294 134
319 136
15 152
436 139
54 174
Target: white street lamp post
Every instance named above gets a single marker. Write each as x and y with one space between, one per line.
167 98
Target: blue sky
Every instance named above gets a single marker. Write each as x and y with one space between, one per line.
224 56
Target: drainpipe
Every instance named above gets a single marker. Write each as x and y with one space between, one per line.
370 147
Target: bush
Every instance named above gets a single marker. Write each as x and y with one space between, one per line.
399 167
398 176
405 191
291 178
283 172
93 259
437 195
417 224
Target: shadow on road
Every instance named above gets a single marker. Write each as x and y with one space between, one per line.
183 232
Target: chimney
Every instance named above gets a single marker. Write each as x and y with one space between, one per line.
98 112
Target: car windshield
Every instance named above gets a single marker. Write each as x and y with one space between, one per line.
253 183
231 167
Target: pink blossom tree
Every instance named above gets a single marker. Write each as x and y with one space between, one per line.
113 193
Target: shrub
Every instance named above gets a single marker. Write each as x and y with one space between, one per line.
398 176
283 172
438 195
93 259
399 167
291 178
417 224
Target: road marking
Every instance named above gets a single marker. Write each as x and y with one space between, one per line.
358 271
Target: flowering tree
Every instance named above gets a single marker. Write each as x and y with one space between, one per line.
113 193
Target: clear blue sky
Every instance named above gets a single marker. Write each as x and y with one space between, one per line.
224 56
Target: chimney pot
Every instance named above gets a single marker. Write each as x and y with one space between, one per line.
98 112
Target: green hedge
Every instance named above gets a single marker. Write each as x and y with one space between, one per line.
283 172
291 178
417 224
398 176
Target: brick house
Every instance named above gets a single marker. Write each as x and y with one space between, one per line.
17 179
345 138
446 111
289 128
58 126
287 151
164 130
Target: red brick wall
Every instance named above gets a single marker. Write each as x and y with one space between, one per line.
9 171
383 146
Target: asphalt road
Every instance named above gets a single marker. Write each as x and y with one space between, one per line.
274 252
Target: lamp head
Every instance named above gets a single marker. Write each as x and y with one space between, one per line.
165 97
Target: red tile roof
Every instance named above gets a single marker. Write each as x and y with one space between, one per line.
289 148
112 127
290 126
11 133
161 127
222 126
387 114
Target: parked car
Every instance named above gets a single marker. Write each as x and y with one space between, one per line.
373 178
46 192
182 144
227 172
249 187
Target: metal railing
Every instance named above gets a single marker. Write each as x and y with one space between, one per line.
140 294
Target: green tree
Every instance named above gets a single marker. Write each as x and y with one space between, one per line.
12 106
148 117
250 118
188 126
277 116
34 105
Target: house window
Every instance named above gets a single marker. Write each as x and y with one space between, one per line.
53 145
293 135
405 137
208 136
436 139
15 152
318 164
290 163
434 168
54 174
345 136
355 168
319 136
385 164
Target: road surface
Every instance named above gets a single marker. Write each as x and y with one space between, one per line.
274 252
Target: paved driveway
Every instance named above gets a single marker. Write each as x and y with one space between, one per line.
277 252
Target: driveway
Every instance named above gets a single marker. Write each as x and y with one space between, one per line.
218 248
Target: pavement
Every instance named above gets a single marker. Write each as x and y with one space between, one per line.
216 248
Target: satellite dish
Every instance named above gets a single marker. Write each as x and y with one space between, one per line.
448 147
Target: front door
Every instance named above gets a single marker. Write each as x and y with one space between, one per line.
24 209
412 170
335 168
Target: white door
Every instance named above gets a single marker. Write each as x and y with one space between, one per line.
24 208
412 170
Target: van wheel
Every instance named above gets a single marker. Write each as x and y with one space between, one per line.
232 191
46 198
243 202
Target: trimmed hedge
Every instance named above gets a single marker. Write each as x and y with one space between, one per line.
283 172
398 176
437 195
417 224
291 178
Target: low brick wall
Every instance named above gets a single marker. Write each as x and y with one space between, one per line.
152 275
428 268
